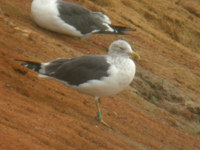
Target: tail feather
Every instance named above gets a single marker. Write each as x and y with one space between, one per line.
31 65
120 30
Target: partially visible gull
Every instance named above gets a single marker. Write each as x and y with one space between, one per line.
72 19
96 75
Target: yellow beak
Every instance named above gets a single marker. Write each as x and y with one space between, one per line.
134 54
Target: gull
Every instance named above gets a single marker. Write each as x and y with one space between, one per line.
95 75
72 19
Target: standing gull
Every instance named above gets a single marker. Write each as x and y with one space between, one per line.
72 19
96 75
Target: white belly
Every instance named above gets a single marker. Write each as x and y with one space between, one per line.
46 15
119 79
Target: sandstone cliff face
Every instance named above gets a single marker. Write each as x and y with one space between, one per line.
160 110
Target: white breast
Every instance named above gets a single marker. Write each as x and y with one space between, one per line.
121 73
46 15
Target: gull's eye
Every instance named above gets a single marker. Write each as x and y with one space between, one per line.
121 48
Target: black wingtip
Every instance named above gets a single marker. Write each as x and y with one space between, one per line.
35 66
121 29
118 30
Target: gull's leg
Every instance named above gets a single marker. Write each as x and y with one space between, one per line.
99 116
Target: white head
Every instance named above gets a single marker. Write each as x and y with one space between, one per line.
121 48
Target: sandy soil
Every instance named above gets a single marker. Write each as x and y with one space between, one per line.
159 111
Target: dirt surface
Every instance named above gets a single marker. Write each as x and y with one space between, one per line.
159 111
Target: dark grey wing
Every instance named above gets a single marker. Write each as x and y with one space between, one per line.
53 66
78 70
81 18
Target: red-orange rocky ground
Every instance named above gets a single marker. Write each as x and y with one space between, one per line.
159 111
